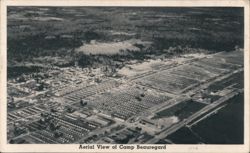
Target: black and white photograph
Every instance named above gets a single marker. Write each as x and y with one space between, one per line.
125 75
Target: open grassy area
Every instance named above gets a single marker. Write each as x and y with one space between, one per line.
212 130
181 110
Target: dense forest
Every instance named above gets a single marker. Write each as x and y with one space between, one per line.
57 31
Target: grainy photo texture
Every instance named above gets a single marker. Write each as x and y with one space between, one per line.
125 75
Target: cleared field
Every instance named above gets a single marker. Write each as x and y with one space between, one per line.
236 57
235 80
208 68
231 117
193 72
181 110
218 63
184 136
221 62
110 48
168 82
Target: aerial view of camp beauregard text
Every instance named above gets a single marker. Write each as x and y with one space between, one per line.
125 75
